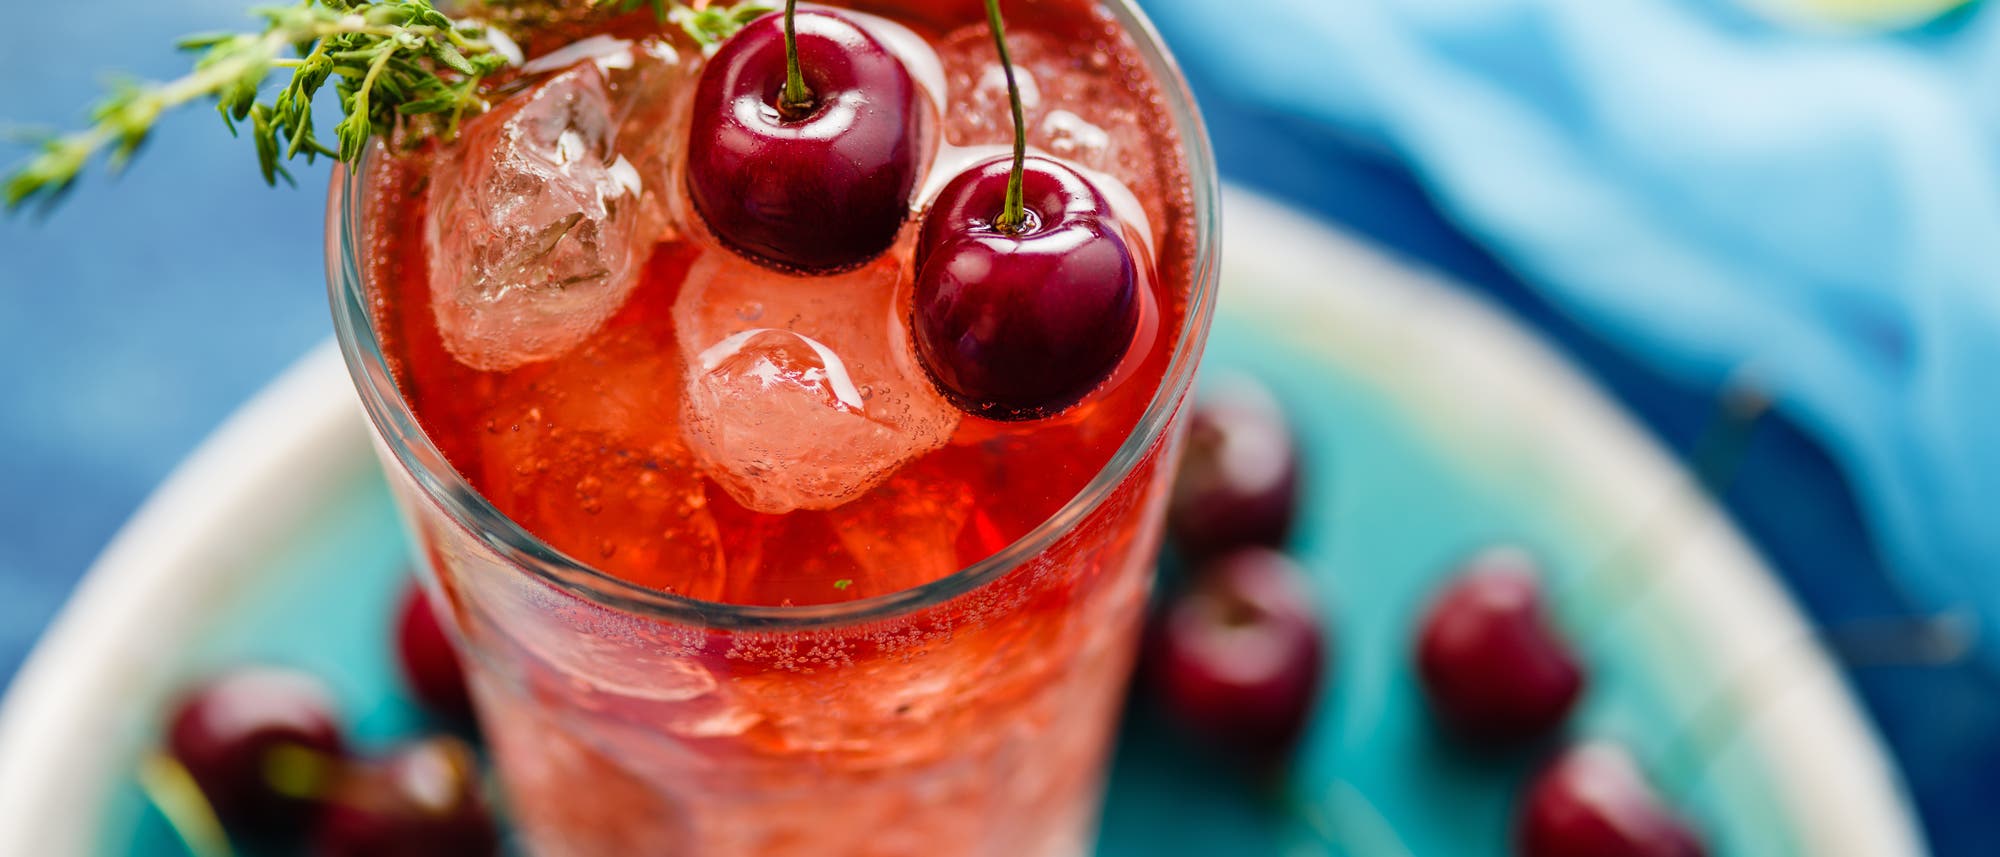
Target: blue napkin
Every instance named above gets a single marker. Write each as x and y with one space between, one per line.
1717 194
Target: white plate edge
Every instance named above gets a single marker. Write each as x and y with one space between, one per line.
169 569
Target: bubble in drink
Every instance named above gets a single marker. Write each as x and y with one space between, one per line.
905 533
534 221
584 448
802 392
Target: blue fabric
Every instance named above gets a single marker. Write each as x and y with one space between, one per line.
1717 195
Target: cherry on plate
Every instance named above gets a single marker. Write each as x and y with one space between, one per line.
1494 668
1592 801
1021 323
1238 483
230 733
817 189
1237 658
429 657
422 800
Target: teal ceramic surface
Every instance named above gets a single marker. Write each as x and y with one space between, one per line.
1425 440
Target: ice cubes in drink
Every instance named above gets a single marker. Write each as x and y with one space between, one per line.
1078 99
534 230
802 393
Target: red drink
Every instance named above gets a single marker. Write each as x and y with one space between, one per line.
759 588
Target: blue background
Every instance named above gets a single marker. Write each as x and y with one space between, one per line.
151 305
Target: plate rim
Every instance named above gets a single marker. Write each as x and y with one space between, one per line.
246 485
305 432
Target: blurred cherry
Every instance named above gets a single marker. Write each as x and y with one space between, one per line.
1237 658
232 732
1494 668
1238 483
430 657
1592 801
421 800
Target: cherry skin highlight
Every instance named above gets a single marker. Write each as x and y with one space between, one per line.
422 800
1495 670
227 732
1237 659
1015 325
429 658
1238 483
821 191
1592 801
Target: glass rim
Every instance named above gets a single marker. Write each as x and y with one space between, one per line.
398 431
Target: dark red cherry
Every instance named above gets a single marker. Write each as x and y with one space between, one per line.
1237 658
1592 801
422 800
1020 325
1238 483
430 658
826 189
1494 668
230 733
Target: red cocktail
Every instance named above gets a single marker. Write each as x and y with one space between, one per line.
744 561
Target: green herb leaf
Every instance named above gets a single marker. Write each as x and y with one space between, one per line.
449 56
660 7
404 70
712 25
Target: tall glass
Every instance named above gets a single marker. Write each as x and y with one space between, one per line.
971 715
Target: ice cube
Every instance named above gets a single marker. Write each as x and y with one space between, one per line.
803 393
651 93
534 230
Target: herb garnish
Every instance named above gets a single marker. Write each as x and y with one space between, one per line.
400 65
403 69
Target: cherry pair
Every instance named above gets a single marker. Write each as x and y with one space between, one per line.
265 749
1498 673
804 156
1239 655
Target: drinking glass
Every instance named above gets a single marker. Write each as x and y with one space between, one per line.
971 715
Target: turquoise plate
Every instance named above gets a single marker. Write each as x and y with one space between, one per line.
1433 426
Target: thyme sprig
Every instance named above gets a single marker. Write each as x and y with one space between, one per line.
401 66
707 24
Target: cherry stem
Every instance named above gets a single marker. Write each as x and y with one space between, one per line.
301 772
173 791
796 100
1013 214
